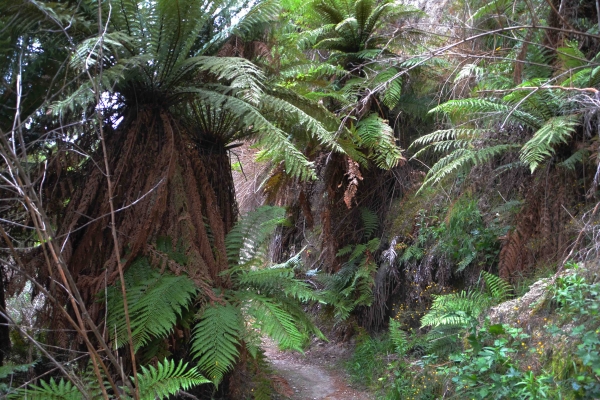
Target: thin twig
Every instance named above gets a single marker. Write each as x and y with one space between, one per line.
95 81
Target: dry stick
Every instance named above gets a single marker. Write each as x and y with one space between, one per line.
75 381
109 183
598 12
579 237
566 88
35 212
47 235
55 255
42 289
38 223
563 20
443 49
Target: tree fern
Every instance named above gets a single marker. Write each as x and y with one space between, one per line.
216 339
155 302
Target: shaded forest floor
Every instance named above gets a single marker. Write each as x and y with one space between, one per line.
318 374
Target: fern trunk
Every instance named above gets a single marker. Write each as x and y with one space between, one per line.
165 186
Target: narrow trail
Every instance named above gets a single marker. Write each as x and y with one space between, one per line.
316 375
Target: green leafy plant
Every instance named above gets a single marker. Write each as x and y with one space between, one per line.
216 340
579 301
11 370
265 297
159 382
451 314
260 296
352 285
156 302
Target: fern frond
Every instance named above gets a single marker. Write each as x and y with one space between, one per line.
393 87
50 390
574 159
308 39
277 281
398 337
464 263
444 340
273 320
456 309
247 240
370 222
311 72
412 253
378 136
461 160
493 7
242 75
491 111
541 145
155 302
262 12
216 339
167 379
469 71
328 11
344 251
7 370
499 289
285 110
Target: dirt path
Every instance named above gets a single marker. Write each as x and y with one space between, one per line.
316 375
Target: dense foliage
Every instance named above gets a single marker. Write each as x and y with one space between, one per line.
425 168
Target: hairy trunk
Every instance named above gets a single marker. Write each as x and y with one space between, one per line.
165 186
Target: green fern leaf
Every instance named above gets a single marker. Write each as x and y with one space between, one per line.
273 320
216 339
167 379
377 135
370 222
50 390
541 145
499 289
398 337
246 242
457 309
155 302
574 159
